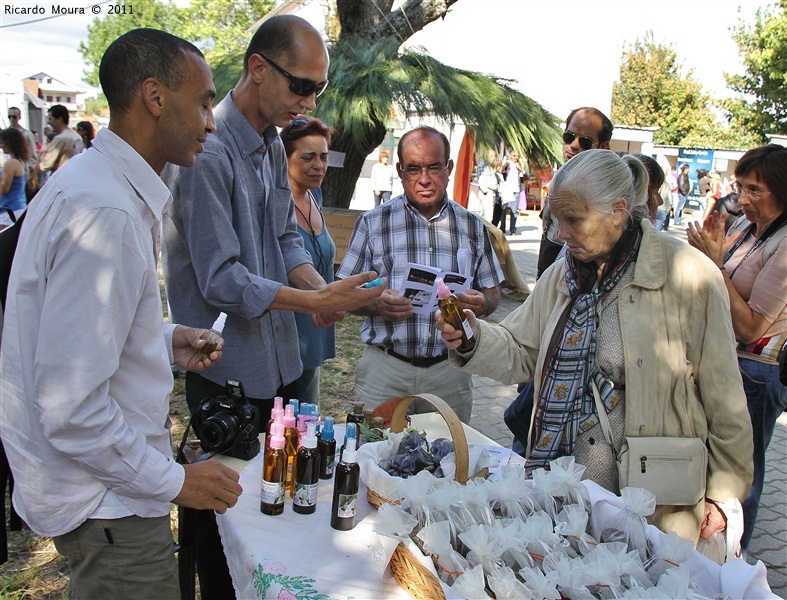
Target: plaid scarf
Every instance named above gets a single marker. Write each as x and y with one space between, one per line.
565 403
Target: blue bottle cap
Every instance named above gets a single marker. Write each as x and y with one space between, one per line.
327 429
294 403
352 432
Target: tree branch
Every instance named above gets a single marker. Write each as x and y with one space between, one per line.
373 20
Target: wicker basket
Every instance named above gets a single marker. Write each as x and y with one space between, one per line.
414 577
398 423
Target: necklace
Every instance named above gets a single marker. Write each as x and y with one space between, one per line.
305 218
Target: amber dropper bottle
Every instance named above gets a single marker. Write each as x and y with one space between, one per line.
291 445
274 472
454 315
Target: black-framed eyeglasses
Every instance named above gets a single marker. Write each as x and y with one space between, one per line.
753 193
414 171
585 142
13 117
299 86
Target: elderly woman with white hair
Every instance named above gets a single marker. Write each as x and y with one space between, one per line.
638 316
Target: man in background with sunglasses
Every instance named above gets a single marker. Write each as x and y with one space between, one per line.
586 128
230 243
14 119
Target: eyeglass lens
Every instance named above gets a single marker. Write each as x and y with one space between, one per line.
585 142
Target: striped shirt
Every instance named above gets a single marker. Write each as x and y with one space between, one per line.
388 237
764 287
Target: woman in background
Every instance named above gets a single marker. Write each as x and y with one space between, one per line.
306 143
86 132
13 181
753 260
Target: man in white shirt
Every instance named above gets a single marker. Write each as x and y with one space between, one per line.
86 357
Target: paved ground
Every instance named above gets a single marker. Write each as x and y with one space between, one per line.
769 543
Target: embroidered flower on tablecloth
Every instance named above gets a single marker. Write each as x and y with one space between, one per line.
276 568
286 595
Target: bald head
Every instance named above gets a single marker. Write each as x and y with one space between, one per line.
281 35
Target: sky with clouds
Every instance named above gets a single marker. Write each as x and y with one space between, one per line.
562 53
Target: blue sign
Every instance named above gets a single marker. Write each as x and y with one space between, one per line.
696 158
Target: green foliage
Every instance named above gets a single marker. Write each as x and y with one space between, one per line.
654 92
220 28
369 79
103 31
763 50
97 105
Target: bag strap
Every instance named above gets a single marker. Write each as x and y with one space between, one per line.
603 419
11 214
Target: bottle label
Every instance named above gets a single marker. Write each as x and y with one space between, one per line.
468 329
347 505
272 492
305 494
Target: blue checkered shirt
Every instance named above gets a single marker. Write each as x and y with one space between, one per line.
386 238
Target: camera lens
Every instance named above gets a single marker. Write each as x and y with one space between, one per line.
218 431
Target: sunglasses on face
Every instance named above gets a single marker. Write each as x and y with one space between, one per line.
585 142
12 117
301 87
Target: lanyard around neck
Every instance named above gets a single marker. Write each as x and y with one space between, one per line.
772 228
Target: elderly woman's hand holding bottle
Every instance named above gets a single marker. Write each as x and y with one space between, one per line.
452 335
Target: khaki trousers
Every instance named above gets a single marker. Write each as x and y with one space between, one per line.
123 558
380 377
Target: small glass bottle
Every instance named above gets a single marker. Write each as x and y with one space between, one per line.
356 414
454 315
307 471
274 472
291 445
368 415
212 337
326 444
345 489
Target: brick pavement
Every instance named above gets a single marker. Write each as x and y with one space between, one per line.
769 542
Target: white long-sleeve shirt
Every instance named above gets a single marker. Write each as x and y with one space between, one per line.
85 362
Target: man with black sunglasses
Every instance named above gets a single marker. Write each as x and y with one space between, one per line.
586 128
230 243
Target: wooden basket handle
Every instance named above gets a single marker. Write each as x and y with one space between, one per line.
399 420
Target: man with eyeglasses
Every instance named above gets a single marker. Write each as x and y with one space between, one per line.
404 355
14 116
230 243
586 128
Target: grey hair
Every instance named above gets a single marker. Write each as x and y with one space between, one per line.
599 177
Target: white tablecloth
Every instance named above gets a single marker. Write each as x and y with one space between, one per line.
291 556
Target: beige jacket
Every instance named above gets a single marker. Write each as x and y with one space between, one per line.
682 375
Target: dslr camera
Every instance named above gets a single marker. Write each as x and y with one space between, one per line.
229 424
